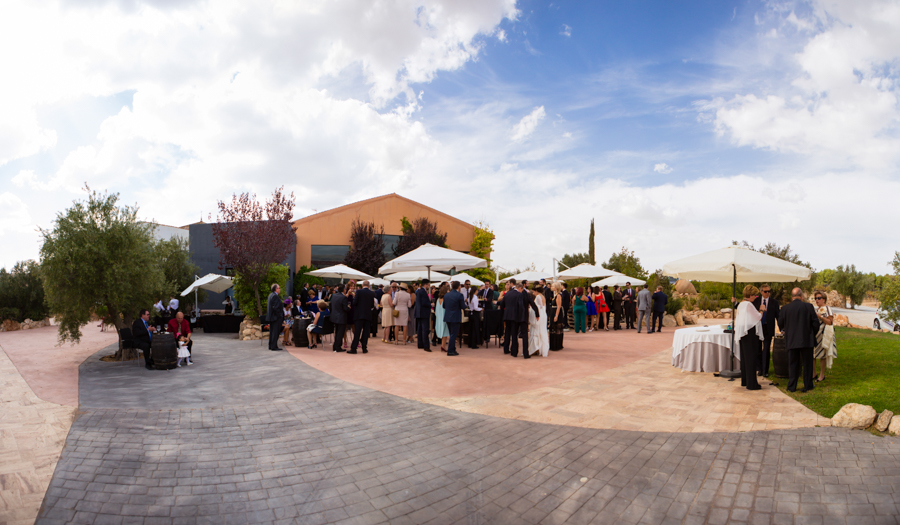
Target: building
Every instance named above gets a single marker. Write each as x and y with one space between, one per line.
161 232
323 239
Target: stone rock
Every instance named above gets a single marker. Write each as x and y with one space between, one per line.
894 427
679 318
728 315
854 415
669 321
883 421
725 311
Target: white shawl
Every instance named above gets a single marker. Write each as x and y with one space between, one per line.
746 319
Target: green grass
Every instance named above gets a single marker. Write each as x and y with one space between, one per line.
865 372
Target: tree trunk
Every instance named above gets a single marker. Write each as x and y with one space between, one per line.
258 302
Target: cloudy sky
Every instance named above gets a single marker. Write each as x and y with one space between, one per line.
678 126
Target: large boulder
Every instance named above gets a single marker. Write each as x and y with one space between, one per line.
883 421
685 287
669 321
894 427
679 318
10 325
854 415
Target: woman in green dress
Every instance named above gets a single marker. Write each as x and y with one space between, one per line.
580 310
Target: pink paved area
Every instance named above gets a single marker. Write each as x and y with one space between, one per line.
409 372
50 370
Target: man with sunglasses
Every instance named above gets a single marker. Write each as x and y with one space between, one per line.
768 306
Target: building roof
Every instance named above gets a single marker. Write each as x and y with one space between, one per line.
376 199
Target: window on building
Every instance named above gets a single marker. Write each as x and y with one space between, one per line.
390 242
322 255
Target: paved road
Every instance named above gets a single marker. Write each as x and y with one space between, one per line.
861 315
251 436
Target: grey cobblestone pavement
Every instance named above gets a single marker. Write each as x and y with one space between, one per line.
145 449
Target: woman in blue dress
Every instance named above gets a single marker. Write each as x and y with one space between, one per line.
440 327
318 324
591 309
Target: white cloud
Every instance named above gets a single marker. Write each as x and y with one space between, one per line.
527 125
566 30
662 168
14 215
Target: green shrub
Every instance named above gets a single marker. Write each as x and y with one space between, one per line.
674 305
9 313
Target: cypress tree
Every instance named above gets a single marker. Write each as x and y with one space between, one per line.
591 244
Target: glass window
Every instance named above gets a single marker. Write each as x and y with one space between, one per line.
390 242
322 255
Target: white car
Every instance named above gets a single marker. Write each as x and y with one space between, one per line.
881 322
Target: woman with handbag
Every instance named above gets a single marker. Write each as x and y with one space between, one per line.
400 313
387 313
826 344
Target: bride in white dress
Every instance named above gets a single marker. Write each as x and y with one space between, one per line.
538 336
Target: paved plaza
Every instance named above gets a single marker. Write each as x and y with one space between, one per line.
252 436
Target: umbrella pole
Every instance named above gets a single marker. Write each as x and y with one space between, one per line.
731 374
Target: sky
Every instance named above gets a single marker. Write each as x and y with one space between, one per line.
679 127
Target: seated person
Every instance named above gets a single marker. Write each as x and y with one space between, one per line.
297 309
288 322
317 327
142 333
180 325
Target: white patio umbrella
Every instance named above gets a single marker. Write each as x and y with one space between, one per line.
618 280
463 277
416 276
585 271
528 276
340 271
430 257
377 281
212 282
733 264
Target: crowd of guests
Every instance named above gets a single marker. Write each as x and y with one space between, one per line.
533 316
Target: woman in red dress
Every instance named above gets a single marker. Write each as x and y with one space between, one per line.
602 308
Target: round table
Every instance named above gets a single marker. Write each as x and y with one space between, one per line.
703 349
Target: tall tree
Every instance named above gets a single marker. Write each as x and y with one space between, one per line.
366 247
22 292
482 246
98 254
252 237
244 292
625 261
418 232
852 283
174 258
890 292
591 253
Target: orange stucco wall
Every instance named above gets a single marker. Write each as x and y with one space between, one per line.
332 227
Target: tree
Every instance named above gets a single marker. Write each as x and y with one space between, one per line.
850 282
174 258
626 262
417 233
781 291
302 277
482 246
658 279
22 292
366 247
571 261
98 254
591 255
252 237
245 293
890 292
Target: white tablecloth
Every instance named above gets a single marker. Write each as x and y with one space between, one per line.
703 351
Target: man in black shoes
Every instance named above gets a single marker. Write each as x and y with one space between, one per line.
339 310
142 333
799 324
363 306
422 310
274 316
454 304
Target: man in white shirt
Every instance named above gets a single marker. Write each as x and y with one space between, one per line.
173 305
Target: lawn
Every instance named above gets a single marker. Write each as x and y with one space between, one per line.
866 371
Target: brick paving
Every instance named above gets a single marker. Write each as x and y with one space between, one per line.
147 450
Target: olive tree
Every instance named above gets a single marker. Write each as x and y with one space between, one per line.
890 292
99 255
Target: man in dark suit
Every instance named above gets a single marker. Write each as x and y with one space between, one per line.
422 310
142 333
339 310
617 308
566 303
799 324
608 297
770 309
660 299
486 294
274 316
515 317
628 301
548 297
363 308
454 304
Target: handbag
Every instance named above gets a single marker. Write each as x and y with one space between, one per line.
395 313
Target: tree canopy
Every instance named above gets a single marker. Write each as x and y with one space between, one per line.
22 292
591 252
626 262
366 247
850 282
246 294
98 254
418 232
890 292
251 237
572 260
482 246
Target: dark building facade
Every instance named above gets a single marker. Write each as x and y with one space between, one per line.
205 255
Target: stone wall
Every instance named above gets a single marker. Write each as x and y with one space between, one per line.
11 326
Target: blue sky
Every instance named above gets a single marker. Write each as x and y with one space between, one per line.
678 126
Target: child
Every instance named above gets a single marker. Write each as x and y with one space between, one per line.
183 353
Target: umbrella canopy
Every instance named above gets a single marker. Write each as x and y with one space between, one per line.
378 282
417 275
529 276
736 264
340 271
585 271
618 280
463 277
430 257
212 282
